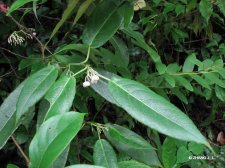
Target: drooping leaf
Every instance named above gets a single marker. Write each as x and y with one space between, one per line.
201 81
154 111
8 116
180 95
60 96
99 27
82 9
17 4
184 82
214 78
71 5
220 93
132 144
34 88
104 154
206 9
132 164
161 68
170 79
169 153
220 70
139 41
53 137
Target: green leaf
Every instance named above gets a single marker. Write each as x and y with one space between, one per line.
161 68
169 153
184 82
206 9
215 79
71 5
220 93
127 12
60 96
170 79
196 149
183 155
17 4
104 154
180 95
82 9
154 111
221 5
99 28
131 144
188 63
34 89
121 51
12 166
60 162
220 70
53 137
132 164
141 43
84 166
8 116
201 81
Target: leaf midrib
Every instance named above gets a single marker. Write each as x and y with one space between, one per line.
151 109
55 137
104 154
57 97
37 86
103 23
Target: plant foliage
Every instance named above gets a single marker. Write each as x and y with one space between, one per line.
112 83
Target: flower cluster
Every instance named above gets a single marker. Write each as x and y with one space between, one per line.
3 8
91 78
139 4
16 37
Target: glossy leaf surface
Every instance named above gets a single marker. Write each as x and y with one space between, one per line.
154 111
60 96
53 137
104 154
34 89
99 27
132 144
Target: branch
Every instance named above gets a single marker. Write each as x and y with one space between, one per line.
21 151
42 46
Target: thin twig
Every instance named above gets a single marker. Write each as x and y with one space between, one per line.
21 151
42 46
9 51
11 66
7 73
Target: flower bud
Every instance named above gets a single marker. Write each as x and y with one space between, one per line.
94 79
86 84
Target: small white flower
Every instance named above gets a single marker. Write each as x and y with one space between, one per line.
86 84
139 4
94 79
34 33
